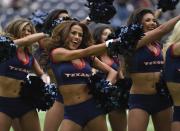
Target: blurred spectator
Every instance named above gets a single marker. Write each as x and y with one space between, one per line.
24 8
124 8
5 3
0 28
142 3
17 4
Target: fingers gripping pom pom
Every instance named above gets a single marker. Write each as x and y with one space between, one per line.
37 93
45 78
108 41
7 49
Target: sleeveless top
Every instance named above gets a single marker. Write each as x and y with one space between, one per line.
67 73
144 60
15 68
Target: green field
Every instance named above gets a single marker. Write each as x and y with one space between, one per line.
42 116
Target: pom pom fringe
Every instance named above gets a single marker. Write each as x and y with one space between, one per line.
109 97
126 42
7 49
101 11
37 93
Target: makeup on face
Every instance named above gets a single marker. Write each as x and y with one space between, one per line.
149 22
75 37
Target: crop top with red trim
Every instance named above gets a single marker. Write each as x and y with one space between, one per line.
144 60
15 68
67 73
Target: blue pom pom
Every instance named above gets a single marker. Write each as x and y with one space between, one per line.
101 11
107 96
37 93
126 42
7 49
38 18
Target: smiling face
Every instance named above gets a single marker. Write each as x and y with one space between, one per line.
75 37
149 22
106 32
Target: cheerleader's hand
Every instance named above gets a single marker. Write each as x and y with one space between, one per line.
45 78
86 21
109 42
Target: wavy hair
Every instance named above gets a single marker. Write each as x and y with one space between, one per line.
15 28
61 32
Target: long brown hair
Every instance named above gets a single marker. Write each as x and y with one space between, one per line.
61 32
135 18
59 39
137 15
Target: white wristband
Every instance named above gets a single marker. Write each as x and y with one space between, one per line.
45 78
46 35
109 83
88 18
108 41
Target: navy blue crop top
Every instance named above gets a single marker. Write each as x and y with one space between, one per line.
172 67
15 68
67 73
144 60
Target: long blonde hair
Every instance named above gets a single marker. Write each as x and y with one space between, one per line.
16 27
174 37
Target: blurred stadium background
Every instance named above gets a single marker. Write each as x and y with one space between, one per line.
10 9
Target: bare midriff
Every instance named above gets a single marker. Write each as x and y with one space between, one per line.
75 94
144 83
9 87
